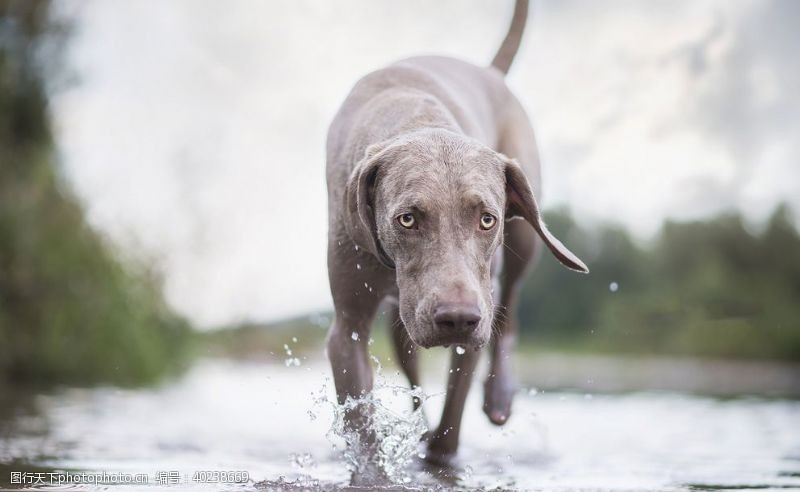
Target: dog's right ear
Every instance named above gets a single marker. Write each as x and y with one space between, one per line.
360 194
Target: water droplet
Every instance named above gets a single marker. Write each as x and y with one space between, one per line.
356 247
358 266
613 286
460 350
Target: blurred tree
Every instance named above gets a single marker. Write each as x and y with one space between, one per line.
702 288
70 311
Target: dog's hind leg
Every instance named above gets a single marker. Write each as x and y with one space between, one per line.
519 249
443 442
405 350
521 246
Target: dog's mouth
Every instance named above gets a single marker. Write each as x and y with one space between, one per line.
438 338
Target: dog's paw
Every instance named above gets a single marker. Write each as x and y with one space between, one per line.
441 449
439 457
498 392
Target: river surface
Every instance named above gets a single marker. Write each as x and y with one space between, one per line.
272 423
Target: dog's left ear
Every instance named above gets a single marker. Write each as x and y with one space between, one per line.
520 202
359 196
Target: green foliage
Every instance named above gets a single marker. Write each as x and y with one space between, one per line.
70 311
707 288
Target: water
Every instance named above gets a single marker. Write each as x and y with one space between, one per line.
394 430
274 422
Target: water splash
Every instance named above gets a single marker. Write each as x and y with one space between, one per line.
381 442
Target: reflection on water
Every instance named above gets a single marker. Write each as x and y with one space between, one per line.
255 418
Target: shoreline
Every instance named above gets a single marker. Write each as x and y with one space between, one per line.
623 374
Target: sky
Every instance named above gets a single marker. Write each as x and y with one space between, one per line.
193 131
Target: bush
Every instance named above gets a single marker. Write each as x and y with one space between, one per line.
70 310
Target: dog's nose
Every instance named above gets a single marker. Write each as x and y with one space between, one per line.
456 317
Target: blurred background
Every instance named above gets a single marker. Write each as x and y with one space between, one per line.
163 168
162 195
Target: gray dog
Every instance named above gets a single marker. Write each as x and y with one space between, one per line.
428 160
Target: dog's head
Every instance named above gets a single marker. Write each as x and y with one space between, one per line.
432 205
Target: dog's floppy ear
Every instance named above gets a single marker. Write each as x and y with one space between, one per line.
520 202
359 196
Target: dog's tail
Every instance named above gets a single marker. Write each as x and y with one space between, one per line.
505 55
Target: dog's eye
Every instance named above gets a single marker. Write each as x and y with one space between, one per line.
407 220
488 221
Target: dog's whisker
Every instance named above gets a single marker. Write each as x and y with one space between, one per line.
505 245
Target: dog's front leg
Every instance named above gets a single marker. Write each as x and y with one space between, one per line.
352 374
357 287
444 441
349 355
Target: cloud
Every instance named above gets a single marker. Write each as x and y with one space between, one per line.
750 104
